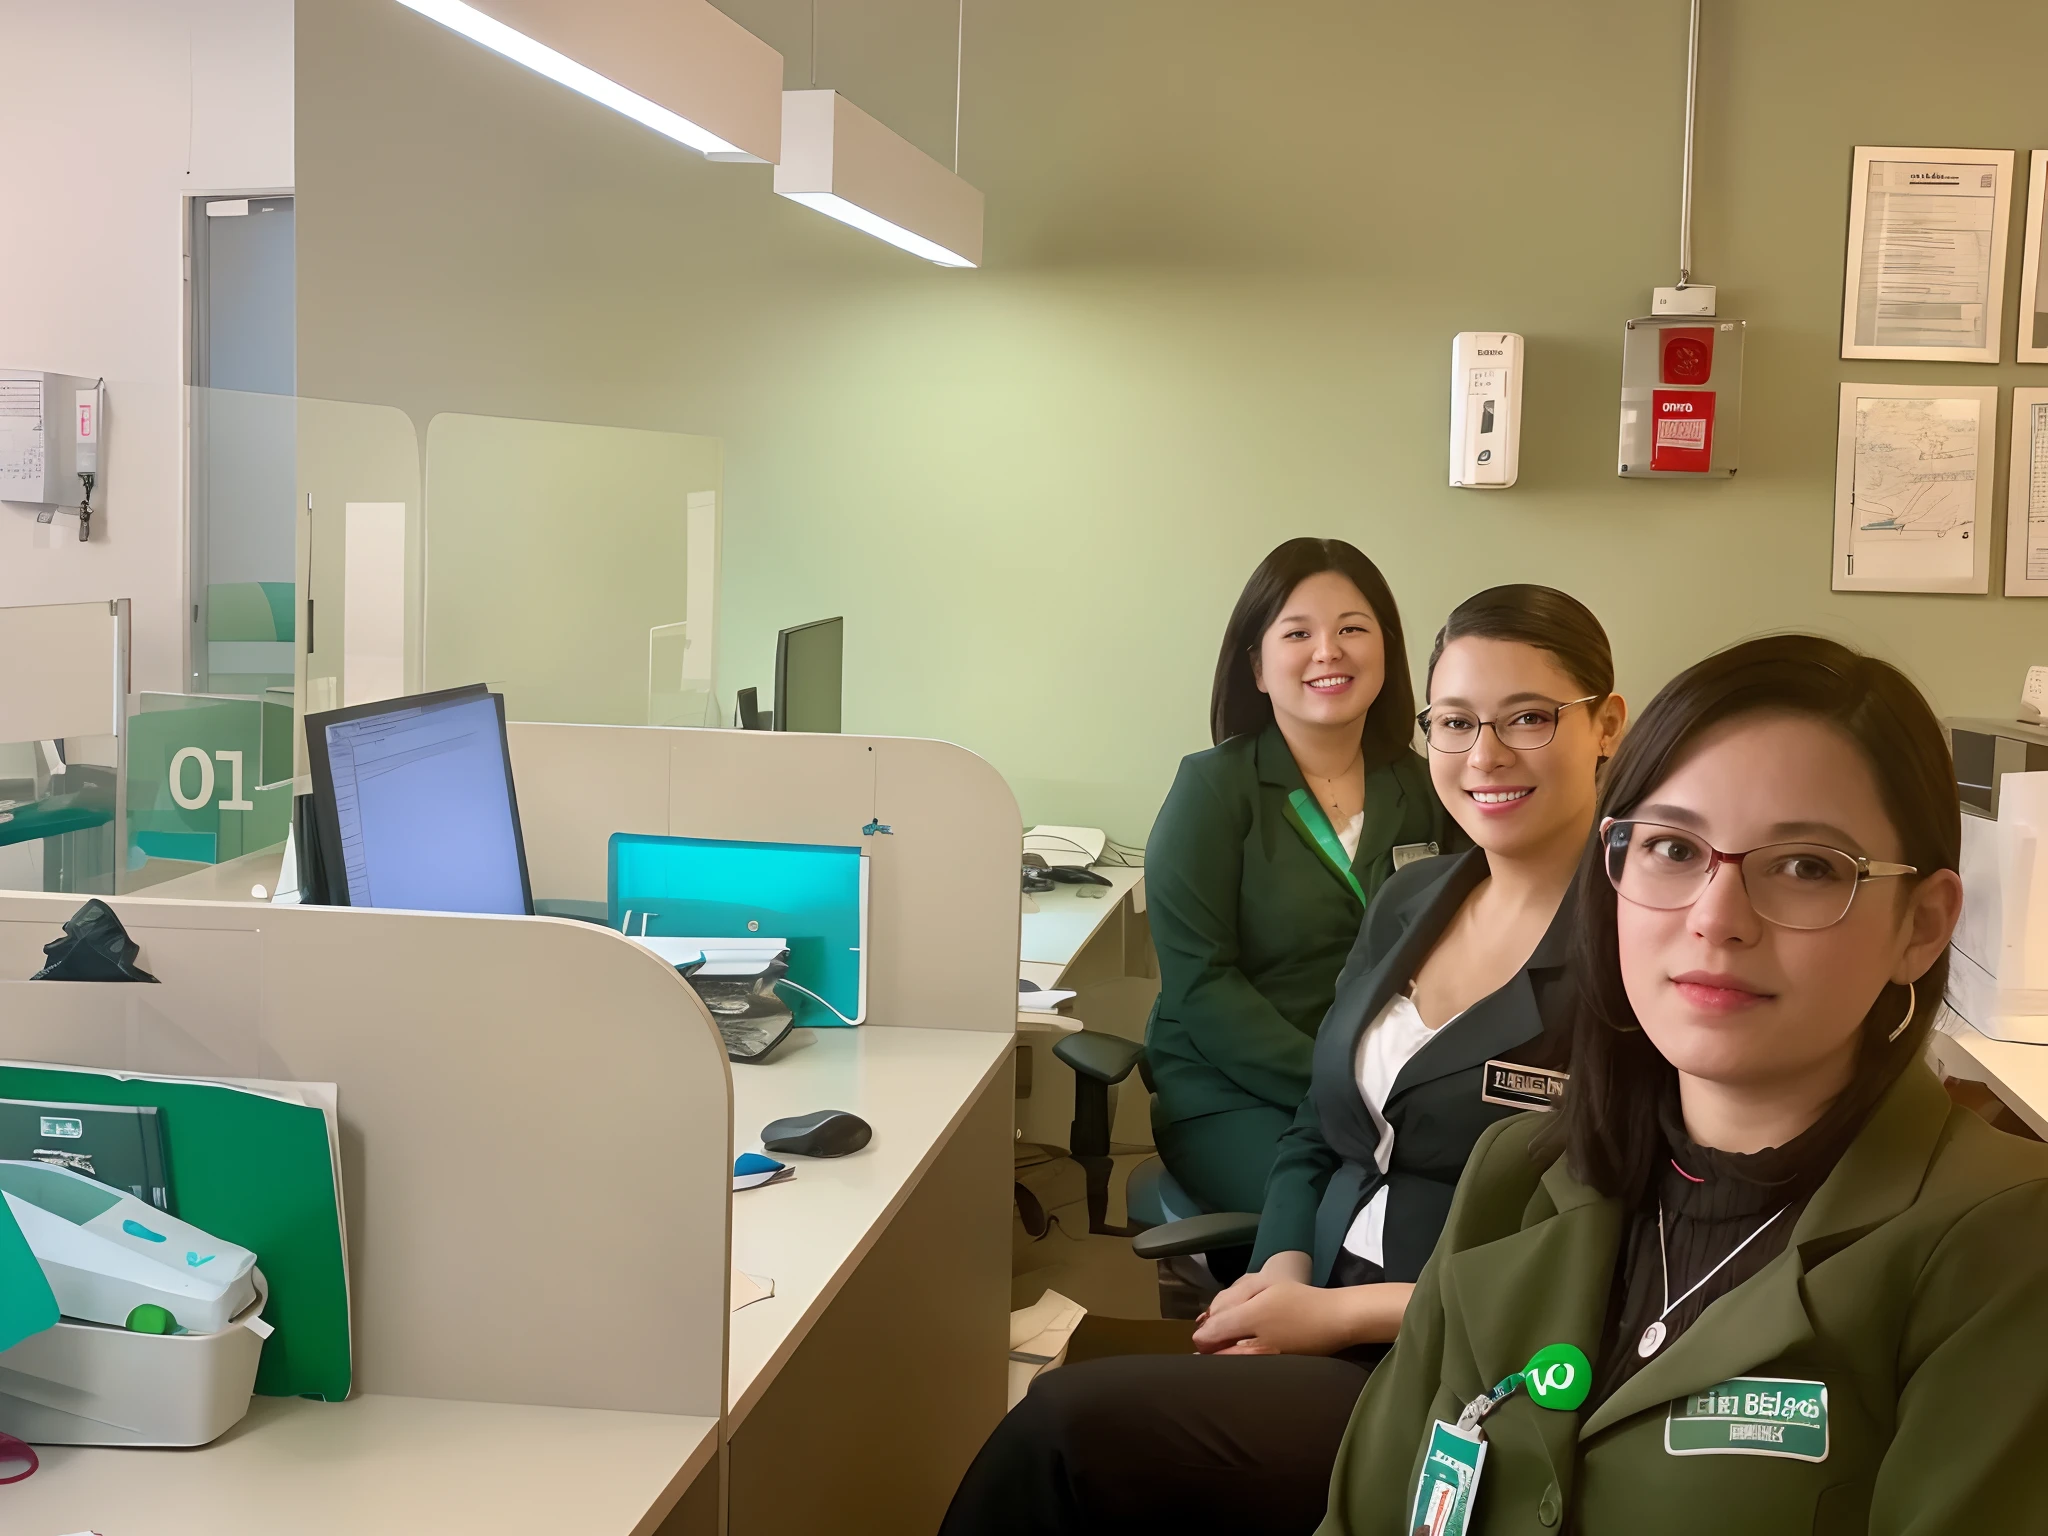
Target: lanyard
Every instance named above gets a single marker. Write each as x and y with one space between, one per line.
13 1450
1317 825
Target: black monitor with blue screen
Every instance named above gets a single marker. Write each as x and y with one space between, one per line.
415 807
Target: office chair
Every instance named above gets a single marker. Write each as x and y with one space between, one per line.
1166 1224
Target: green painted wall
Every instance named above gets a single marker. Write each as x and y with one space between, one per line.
1228 245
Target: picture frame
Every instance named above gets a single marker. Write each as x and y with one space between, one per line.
2031 324
1914 466
1924 273
2026 503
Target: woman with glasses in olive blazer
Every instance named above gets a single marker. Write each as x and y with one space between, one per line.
1805 1291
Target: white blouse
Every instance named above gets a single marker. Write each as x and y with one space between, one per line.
1385 1047
1349 834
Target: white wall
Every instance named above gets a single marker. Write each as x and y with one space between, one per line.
113 112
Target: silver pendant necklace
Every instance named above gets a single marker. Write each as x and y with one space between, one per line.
1654 1336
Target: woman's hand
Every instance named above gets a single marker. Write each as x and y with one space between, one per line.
1292 1265
1286 1317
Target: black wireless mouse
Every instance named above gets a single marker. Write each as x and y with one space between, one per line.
828 1133
1066 874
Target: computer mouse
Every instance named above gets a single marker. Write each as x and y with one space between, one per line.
828 1133
1067 874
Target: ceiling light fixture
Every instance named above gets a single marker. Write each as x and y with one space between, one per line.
840 161
681 67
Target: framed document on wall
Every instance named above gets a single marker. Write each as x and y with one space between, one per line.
2033 317
1913 472
1924 276
2026 510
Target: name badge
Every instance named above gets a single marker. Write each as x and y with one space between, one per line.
1450 1481
1519 1087
1407 853
1751 1416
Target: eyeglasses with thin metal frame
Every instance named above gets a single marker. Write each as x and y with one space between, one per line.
1802 886
1530 727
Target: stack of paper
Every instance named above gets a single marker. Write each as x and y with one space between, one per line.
1039 1335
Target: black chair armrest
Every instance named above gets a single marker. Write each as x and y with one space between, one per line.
1104 1057
1197 1234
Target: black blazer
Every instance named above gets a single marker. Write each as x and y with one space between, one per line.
1326 1169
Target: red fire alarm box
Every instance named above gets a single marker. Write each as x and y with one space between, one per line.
1686 356
1681 397
1684 429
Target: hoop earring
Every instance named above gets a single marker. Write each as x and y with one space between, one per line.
1912 1005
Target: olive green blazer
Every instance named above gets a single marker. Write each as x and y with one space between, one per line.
1914 1287
1252 922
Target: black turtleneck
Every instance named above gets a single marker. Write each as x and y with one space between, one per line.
1712 1200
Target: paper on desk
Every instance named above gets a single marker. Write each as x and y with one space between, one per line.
1044 1000
748 1289
1039 1335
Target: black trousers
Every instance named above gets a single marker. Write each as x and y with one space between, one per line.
1174 1444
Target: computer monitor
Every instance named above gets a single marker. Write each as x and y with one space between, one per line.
414 803
807 674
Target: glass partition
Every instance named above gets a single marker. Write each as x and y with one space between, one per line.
195 790
61 744
573 568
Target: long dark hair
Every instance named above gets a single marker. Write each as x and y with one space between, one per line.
1544 617
1607 1126
1238 708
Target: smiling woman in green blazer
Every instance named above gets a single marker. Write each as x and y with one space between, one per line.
1267 852
1806 1290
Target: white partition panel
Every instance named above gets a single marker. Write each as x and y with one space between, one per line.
536 1127
942 900
66 670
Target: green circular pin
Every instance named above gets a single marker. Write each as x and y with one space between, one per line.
1558 1376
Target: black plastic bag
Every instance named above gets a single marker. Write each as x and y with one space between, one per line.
95 947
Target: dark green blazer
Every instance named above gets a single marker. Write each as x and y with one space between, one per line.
1914 1287
1252 922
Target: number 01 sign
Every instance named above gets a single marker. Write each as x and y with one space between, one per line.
207 780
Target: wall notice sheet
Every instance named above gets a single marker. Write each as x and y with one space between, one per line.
21 437
2026 519
1913 478
1926 260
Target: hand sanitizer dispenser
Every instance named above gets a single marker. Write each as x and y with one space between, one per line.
1486 409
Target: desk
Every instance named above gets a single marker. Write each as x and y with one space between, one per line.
860 1390
397 1464
1098 944
2016 1072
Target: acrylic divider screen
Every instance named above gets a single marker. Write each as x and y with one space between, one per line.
559 569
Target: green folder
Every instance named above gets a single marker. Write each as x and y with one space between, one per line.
251 1169
26 1304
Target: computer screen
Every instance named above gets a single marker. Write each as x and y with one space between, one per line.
807 672
415 803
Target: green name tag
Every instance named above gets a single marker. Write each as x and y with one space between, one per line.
1751 1416
1450 1482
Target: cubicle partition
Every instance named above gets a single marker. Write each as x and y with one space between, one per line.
536 1128
938 823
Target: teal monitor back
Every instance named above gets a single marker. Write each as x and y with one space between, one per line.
813 895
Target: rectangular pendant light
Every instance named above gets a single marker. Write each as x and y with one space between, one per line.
840 161
682 67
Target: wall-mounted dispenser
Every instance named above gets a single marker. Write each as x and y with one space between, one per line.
52 428
1486 409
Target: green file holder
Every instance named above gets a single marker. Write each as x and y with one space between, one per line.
253 1170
